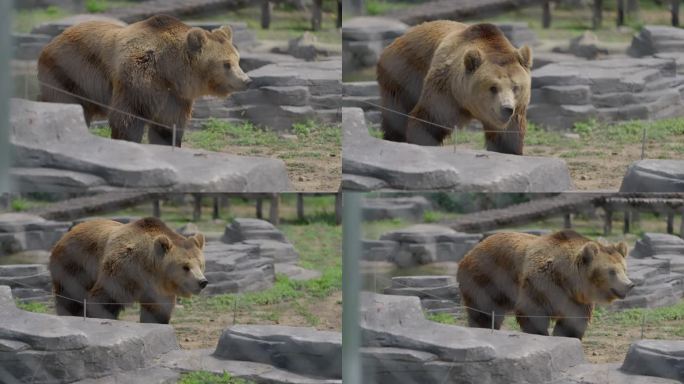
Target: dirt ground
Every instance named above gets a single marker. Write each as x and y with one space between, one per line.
315 169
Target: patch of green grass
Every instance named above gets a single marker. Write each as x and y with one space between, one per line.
31 306
442 318
96 6
431 216
633 317
380 7
204 377
319 243
24 20
102 131
19 204
375 131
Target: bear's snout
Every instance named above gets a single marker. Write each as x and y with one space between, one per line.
203 283
506 113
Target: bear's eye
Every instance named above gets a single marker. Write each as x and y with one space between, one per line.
612 272
493 89
226 65
516 89
186 268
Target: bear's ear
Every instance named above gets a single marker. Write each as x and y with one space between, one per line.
162 244
196 39
525 56
472 60
588 252
225 31
622 248
198 238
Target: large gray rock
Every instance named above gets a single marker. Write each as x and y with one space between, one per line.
653 39
205 360
54 28
386 208
26 276
654 176
55 349
661 358
652 244
49 135
618 89
408 166
605 374
364 38
242 229
236 268
656 284
25 232
423 244
296 349
402 340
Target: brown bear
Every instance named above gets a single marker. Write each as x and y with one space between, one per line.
154 69
558 276
112 265
441 74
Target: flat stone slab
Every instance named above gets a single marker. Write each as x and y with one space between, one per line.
653 243
654 176
296 349
661 358
50 135
21 232
205 360
48 348
235 268
605 374
460 354
242 229
385 208
412 167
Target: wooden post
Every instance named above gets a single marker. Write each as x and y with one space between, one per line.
608 224
338 208
197 207
339 13
273 212
597 17
670 222
627 220
546 14
681 225
567 221
317 15
266 8
217 208
620 13
300 207
675 12
156 208
259 208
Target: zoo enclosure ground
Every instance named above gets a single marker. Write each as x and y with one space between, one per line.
610 333
199 321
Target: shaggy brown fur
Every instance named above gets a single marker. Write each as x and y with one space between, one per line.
112 264
444 73
154 69
559 276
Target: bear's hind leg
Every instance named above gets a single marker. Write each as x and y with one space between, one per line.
64 304
123 123
573 327
164 136
102 305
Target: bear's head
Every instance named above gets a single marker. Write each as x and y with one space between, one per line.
604 270
497 76
217 61
182 264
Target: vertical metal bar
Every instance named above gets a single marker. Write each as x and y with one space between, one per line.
546 14
5 87
351 287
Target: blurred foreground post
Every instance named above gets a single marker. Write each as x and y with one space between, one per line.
608 224
274 215
5 79
339 13
197 207
620 13
351 288
670 222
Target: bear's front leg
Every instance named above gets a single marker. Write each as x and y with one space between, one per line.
510 140
173 112
531 311
435 115
122 120
157 310
100 304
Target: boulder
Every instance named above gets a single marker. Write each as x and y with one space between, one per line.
408 166
50 135
236 268
652 175
654 39
296 349
386 208
660 358
242 229
25 232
